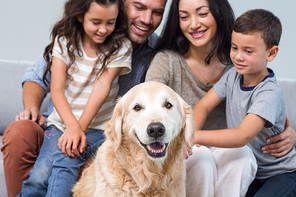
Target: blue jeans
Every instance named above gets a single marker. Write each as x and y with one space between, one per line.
54 174
281 185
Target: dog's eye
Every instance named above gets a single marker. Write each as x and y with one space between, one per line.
168 105
137 107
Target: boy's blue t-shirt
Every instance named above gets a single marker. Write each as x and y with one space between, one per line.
266 100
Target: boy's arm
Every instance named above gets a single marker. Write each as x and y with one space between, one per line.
200 113
202 109
232 138
98 95
73 133
226 138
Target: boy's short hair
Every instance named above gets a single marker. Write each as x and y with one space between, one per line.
260 21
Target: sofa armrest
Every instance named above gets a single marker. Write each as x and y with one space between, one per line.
289 90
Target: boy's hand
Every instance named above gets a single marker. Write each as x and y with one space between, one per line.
71 139
186 152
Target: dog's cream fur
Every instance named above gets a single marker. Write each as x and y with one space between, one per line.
122 166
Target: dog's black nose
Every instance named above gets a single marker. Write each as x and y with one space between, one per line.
155 129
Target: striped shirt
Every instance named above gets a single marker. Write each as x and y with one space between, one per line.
79 87
140 59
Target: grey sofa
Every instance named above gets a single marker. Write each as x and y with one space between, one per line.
11 73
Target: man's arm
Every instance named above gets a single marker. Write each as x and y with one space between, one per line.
34 91
33 95
283 142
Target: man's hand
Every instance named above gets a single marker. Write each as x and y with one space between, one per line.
283 142
33 95
31 114
72 141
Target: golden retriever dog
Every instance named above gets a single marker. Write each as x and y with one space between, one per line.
143 151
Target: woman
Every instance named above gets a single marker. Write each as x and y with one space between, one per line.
191 55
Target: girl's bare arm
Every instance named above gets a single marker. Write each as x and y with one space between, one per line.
73 133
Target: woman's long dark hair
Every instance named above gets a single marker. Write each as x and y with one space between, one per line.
172 37
70 28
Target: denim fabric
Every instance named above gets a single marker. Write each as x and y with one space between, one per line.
54 174
281 185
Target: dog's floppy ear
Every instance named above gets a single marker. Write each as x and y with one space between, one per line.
114 125
188 123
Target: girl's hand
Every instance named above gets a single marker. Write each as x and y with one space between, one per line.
283 142
72 138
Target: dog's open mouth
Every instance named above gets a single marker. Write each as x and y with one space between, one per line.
155 149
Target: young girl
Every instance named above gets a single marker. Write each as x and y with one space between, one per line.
89 49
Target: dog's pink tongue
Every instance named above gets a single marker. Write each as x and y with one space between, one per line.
157 146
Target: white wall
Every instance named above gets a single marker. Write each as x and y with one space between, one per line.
25 27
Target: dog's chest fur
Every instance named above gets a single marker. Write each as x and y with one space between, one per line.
129 171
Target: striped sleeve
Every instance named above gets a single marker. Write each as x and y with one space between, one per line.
123 58
61 51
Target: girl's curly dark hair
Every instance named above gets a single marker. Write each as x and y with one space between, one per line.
70 28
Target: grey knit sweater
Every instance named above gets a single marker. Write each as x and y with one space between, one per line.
171 68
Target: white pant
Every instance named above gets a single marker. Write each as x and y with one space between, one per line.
219 172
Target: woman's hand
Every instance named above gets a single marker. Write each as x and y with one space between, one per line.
283 142
72 141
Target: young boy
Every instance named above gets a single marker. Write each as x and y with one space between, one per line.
255 107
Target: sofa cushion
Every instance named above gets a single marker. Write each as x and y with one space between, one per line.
289 90
11 74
